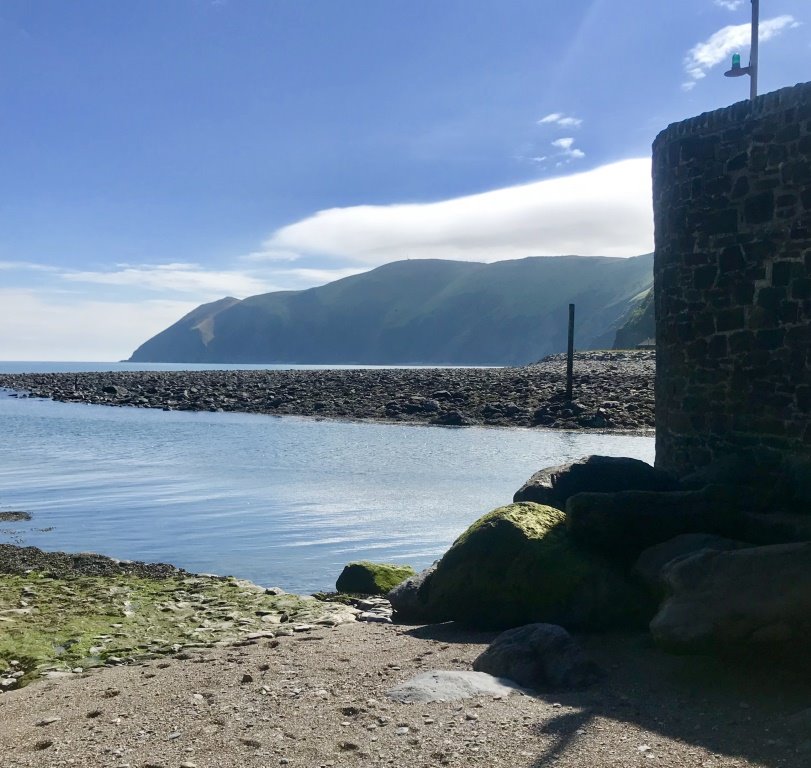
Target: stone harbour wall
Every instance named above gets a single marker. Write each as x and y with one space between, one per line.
732 276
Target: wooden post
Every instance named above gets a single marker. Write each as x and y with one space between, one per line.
570 354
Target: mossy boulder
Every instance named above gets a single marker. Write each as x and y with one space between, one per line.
517 565
367 578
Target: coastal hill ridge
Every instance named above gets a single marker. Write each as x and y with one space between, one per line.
429 311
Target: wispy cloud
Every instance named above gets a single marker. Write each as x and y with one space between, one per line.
25 266
49 327
176 278
604 211
726 41
269 256
567 148
561 120
730 5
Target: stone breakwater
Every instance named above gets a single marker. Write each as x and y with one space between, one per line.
613 391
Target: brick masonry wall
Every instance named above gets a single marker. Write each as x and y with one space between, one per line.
732 276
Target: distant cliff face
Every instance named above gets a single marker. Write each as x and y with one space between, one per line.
422 311
639 324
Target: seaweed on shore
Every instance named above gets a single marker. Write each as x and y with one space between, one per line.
62 621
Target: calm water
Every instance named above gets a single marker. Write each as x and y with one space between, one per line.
282 501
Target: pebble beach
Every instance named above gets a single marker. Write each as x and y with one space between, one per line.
613 390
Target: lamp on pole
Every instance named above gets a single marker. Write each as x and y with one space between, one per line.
737 70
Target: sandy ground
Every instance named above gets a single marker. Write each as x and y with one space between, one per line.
318 699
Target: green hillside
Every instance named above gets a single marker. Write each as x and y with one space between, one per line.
639 325
420 311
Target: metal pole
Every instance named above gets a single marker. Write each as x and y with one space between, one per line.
570 354
753 56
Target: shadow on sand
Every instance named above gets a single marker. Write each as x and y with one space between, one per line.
735 709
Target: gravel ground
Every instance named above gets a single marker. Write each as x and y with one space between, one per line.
318 699
613 391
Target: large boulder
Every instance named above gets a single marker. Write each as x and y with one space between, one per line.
538 656
775 528
650 566
517 565
737 469
754 599
367 578
766 481
598 474
622 525
405 598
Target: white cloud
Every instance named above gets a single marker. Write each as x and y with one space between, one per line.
25 266
722 44
53 327
568 151
269 256
561 120
565 143
176 278
605 211
730 5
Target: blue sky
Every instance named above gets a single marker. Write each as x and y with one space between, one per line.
162 153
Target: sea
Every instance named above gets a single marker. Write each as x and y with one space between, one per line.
281 501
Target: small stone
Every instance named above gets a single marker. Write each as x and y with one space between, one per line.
48 721
247 678
402 730
251 743
174 735
471 716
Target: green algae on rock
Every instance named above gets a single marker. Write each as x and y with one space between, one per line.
52 623
367 578
518 565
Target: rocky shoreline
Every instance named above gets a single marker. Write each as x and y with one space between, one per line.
62 613
323 693
613 390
